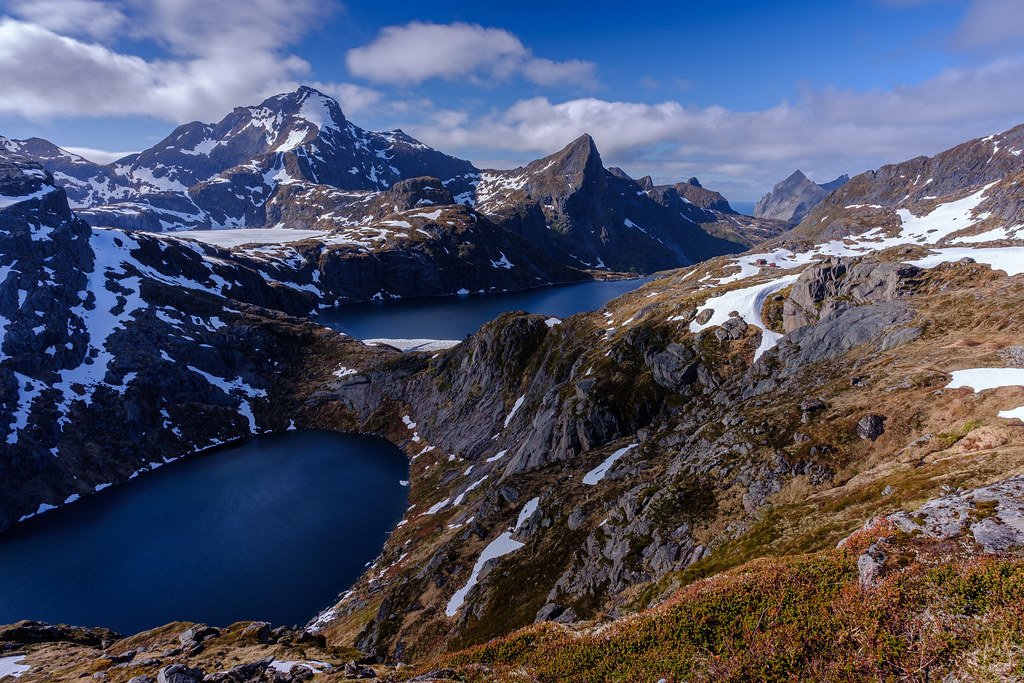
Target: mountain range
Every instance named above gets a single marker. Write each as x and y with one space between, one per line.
295 161
793 198
655 489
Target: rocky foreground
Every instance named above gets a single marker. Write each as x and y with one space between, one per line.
623 473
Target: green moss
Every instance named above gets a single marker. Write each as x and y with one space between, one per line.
984 510
947 439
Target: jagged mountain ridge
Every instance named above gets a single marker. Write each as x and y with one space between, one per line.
983 177
793 198
243 172
598 217
713 213
136 344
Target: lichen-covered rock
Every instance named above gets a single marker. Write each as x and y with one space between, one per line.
992 515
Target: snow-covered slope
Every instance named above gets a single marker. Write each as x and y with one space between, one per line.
143 343
968 194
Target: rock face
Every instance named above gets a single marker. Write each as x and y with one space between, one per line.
583 467
794 197
837 284
595 217
295 161
992 515
709 209
978 183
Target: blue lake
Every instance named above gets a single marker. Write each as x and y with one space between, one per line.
270 529
453 317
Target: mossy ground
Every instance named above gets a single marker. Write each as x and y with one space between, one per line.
806 617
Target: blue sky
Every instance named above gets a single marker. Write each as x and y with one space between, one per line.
737 92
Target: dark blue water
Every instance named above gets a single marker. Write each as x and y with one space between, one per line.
453 317
271 529
746 208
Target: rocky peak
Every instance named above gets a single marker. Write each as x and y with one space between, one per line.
701 197
305 106
794 197
579 161
837 183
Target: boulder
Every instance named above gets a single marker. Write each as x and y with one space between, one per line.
179 673
871 566
871 427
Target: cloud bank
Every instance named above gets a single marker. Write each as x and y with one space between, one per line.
420 51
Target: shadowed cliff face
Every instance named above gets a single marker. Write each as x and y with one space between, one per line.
119 350
595 216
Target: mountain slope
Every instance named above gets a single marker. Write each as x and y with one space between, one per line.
968 194
713 213
792 199
766 404
86 183
591 215
118 351
222 175
295 160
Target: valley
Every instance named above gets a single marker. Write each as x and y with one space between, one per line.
702 466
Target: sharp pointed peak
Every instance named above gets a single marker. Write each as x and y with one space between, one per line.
584 140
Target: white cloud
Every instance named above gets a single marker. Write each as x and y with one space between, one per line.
354 99
420 51
217 55
99 156
825 132
90 18
992 22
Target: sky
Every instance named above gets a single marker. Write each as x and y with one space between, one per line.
736 92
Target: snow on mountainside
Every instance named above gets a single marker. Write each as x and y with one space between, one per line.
970 193
85 182
713 213
295 161
123 336
751 405
222 175
593 216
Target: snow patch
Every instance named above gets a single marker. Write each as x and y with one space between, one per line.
598 473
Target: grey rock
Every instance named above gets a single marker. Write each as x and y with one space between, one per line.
258 631
871 566
993 516
871 427
794 197
353 670
179 673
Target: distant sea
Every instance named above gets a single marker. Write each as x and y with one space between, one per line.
743 207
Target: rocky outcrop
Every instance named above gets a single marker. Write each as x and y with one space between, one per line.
838 284
793 198
709 209
988 169
992 516
594 216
